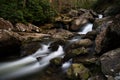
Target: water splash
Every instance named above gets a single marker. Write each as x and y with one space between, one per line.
42 51
66 65
52 55
87 28
100 16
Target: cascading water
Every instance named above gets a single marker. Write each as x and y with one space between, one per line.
86 29
30 64
100 16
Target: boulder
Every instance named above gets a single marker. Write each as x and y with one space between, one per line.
91 35
109 36
78 72
9 44
71 53
28 49
29 37
83 43
110 62
27 28
4 24
60 33
56 62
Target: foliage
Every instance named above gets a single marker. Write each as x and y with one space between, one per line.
34 11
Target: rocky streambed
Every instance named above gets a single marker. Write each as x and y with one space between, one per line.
79 45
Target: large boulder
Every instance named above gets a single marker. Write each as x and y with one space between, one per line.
109 36
9 44
110 62
4 24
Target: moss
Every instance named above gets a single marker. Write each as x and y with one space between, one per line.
78 71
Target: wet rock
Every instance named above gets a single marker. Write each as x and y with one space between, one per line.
109 36
9 44
60 33
85 60
27 28
78 23
91 35
55 44
84 43
78 71
56 62
29 48
110 62
4 24
71 53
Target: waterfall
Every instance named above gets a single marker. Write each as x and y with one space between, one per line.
30 64
86 29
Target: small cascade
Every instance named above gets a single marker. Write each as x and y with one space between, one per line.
66 65
42 51
100 16
86 29
30 64
58 53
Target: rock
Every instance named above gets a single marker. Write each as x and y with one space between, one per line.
27 37
4 24
71 53
85 60
78 23
9 44
110 62
28 49
78 71
109 36
60 33
73 13
91 35
98 22
56 62
27 28
81 21
98 77
55 44
83 43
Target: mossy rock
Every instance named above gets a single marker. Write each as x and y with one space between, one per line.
78 72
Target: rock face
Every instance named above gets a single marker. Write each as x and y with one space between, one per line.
9 45
109 36
110 62
4 24
27 28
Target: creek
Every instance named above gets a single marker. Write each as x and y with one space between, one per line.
38 61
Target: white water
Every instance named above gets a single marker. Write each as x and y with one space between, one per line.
66 65
30 64
100 16
87 28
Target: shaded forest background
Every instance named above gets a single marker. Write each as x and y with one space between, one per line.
44 11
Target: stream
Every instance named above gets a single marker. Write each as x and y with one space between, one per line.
31 64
